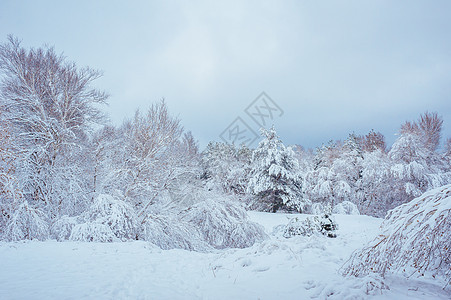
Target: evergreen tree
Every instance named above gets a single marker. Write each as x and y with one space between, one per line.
274 175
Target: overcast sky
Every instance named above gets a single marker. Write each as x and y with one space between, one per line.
333 67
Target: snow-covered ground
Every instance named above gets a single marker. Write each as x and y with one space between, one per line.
278 268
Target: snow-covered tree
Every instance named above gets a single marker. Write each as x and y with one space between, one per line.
106 148
26 223
141 157
429 128
447 155
108 219
373 141
376 184
223 223
226 167
198 219
417 166
318 180
348 170
92 232
51 108
62 228
274 177
169 232
336 173
415 239
118 215
217 161
240 174
305 158
9 189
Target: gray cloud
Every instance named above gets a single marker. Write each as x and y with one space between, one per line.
333 67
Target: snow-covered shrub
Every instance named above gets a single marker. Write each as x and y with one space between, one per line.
62 228
92 232
415 238
118 215
223 223
27 223
324 224
305 227
346 208
170 233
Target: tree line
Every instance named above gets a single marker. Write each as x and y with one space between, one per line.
359 170
66 173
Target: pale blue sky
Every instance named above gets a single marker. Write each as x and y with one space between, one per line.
333 66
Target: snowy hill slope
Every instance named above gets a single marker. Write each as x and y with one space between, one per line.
277 268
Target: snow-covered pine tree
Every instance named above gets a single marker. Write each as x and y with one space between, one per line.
274 177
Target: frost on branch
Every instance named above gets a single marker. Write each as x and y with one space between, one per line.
92 232
324 224
27 223
223 224
118 215
415 239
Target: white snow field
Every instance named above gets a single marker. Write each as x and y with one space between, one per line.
277 268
